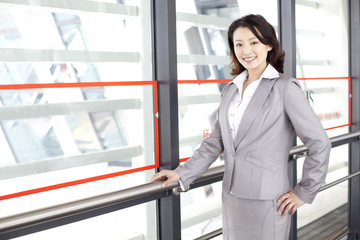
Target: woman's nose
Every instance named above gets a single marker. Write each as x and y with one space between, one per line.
246 49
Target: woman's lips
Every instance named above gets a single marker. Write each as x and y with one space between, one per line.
249 59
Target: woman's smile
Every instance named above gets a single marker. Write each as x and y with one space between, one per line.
249 59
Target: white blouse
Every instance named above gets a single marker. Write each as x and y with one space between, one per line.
239 103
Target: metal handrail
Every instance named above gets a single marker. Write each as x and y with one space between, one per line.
11 223
340 180
210 235
83 205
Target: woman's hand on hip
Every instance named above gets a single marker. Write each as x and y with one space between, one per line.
169 175
289 203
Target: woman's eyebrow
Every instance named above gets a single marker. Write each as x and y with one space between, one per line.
240 40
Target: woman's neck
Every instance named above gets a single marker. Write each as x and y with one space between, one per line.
255 74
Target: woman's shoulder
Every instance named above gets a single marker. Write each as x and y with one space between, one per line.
285 80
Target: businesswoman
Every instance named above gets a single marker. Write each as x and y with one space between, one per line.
256 119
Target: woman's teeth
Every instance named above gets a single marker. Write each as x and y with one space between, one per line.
249 59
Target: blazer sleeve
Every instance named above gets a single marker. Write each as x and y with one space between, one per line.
209 150
313 135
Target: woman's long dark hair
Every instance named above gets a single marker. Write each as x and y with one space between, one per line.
266 35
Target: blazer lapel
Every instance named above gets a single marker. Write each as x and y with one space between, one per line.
223 114
257 101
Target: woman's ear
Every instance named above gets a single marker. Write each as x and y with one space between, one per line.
268 48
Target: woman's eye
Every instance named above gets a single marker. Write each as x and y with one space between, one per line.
254 43
238 45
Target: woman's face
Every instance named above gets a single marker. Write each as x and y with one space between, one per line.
250 52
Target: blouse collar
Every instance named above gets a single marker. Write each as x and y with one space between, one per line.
270 72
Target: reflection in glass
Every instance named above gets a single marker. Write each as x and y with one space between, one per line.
54 135
321 39
50 126
322 51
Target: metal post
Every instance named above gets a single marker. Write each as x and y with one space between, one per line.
354 165
165 69
288 42
287 35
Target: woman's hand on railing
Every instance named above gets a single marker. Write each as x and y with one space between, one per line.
168 176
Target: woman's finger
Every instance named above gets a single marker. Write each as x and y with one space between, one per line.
159 176
287 209
168 176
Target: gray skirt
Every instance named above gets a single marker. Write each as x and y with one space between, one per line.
253 219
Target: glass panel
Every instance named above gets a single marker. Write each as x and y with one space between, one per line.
86 43
330 99
197 113
136 223
322 38
78 30
60 136
318 26
49 141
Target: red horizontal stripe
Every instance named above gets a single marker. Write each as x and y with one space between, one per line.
345 125
124 83
76 182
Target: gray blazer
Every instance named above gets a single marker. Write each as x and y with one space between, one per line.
256 160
